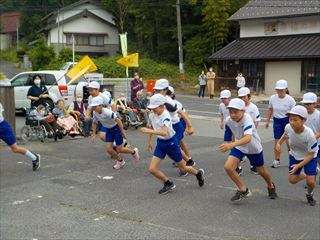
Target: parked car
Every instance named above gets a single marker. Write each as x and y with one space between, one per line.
55 81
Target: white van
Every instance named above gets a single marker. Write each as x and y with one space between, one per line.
55 81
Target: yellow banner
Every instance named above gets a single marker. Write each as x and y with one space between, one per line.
85 65
131 60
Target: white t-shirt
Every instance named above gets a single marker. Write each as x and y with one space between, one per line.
174 115
241 81
245 127
1 114
224 111
253 111
281 106
158 122
313 122
106 118
301 144
106 100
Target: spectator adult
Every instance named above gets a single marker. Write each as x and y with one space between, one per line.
38 93
136 85
211 75
202 83
140 103
241 81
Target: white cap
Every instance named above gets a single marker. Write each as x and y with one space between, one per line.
94 85
96 101
237 103
225 94
300 111
244 91
309 97
157 100
161 84
171 89
281 84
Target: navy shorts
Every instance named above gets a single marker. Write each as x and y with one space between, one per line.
256 160
114 135
278 126
318 156
101 128
6 133
310 168
168 147
184 125
178 128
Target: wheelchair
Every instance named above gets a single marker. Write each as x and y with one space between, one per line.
33 129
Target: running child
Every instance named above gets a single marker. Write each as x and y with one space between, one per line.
6 134
279 105
303 150
247 143
161 125
114 131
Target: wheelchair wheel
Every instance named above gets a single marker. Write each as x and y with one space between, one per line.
42 135
26 133
126 124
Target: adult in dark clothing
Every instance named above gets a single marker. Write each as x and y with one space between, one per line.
38 93
140 103
202 79
136 85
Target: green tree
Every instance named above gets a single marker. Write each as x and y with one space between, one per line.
41 55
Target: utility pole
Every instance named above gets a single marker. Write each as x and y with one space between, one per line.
181 67
58 30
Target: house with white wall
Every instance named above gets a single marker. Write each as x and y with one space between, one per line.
278 40
86 24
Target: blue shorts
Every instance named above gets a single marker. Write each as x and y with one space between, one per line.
114 135
168 147
318 156
278 126
101 128
178 128
256 160
184 125
6 133
310 168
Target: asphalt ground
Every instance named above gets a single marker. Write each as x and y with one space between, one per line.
77 194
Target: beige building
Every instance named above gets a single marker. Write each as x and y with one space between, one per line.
278 40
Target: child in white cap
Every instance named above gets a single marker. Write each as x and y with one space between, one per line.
225 96
160 124
279 105
252 110
303 150
247 143
313 120
114 131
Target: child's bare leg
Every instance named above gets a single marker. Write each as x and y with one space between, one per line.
102 136
293 179
185 149
112 152
276 153
154 169
230 166
121 149
265 175
17 149
184 168
310 183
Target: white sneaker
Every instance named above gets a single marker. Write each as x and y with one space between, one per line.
136 156
275 164
119 164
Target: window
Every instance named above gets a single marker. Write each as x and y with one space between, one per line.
271 28
85 39
96 40
50 79
20 81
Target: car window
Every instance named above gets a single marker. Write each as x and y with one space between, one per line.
21 80
50 79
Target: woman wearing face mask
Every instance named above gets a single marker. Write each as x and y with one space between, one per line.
38 93
136 85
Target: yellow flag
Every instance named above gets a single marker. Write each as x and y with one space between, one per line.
131 60
85 65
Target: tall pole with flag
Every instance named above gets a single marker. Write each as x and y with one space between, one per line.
124 50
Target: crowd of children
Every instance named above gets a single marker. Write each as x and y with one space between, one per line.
167 120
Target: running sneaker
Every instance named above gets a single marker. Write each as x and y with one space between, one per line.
135 155
310 199
183 174
36 163
275 164
200 177
190 163
119 164
253 170
241 195
272 192
239 171
167 187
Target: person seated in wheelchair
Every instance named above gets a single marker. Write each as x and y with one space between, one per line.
48 121
67 122
78 109
140 104
123 108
